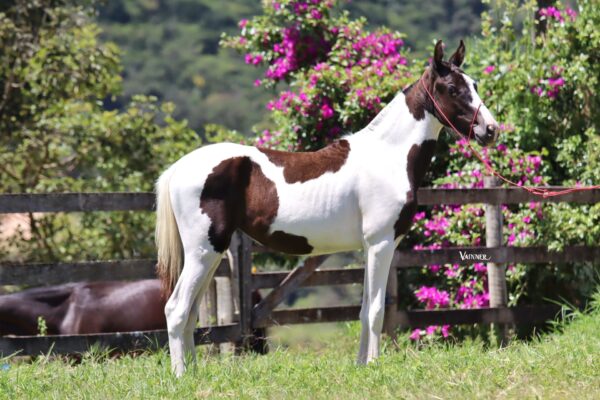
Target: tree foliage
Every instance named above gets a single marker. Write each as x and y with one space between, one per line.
56 136
171 50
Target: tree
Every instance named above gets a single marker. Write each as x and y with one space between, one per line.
55 135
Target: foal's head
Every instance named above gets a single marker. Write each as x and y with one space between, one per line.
456 95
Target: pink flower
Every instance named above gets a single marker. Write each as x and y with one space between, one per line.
415 335
445 330
571 13
537 90
556 82
489 69
257 83
480 267
430 330
316 14
432 297
242 24
552 12
326 111
435 268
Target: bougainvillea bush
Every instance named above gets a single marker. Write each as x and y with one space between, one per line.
538 72
338 74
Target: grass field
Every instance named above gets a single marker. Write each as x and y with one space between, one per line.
563 364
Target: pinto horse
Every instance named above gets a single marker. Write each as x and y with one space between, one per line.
359 192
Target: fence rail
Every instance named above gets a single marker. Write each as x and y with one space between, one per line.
144 201
127 341
45 274
266 314
417 318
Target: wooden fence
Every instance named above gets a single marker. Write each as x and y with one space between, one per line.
248 316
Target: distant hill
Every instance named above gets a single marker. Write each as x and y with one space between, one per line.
171 49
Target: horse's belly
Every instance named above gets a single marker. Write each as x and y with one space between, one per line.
326 226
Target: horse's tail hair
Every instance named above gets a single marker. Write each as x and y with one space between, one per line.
168 241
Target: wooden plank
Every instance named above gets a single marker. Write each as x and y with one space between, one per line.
333 276
503 315
72 202
415 318
417 258
144 201
57 273
287 286
499 255
127 341
309 316
430 196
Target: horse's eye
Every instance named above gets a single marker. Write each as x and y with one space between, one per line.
452 90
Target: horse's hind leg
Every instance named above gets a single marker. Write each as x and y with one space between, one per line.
197 270
188 334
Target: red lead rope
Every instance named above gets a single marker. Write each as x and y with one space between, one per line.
543 192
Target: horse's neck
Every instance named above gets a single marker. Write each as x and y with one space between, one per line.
396 126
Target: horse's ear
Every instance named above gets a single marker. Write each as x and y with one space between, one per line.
459 55
438 55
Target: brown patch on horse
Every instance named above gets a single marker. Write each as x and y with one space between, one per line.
406 215
304 166
288 243
418 160
416 101
237 195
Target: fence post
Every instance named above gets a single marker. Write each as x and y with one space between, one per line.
245 287
496 272
208 306
224 307
234 273
391 303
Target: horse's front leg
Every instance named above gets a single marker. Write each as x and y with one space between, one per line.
379 257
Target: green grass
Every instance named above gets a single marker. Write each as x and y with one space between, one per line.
560 365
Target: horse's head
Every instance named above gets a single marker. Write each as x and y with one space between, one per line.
455 93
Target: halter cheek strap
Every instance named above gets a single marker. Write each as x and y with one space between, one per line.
542 192
439 110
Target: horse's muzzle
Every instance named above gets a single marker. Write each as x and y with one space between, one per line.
489 136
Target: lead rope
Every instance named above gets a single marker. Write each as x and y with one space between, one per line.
542 192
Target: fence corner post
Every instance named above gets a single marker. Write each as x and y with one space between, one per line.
496 272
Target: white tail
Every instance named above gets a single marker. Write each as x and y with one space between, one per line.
168 241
